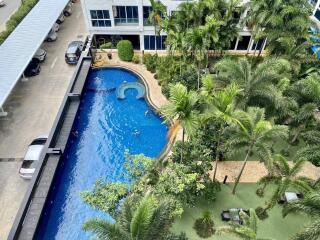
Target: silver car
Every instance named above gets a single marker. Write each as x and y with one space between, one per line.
32 157
40 54
52 36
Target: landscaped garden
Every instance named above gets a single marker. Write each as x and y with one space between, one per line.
260 107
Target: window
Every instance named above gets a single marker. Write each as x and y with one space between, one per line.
257 45
126 14
243 43
146 14
317 14
100 18
150 42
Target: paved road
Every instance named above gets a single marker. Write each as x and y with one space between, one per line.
32 107
6 11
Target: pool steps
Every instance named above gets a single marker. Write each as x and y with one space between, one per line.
130 85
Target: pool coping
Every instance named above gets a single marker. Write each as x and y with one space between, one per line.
166 150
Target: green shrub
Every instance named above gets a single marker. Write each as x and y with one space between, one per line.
172 236
151 62
285 152
136 58
261 213
125 50
107 45
260 192
204 226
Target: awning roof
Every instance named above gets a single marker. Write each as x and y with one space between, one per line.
19 48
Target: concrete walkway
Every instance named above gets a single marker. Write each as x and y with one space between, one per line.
255 170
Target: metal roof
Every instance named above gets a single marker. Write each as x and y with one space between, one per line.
19 48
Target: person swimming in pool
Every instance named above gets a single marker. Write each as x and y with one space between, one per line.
136 132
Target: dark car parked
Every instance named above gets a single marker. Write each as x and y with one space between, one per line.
33 68
73 52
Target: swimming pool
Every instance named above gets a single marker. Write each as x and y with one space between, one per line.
104 128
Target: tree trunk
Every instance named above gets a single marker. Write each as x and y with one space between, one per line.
199 75
180 65
297 134
241 171
181 154
155 36
217 157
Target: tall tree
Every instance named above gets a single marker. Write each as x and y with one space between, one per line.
310 206
284 176
197 44
258 83
150 219
254 136
220 107
182 109
158 10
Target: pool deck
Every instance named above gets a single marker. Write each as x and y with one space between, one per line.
255 170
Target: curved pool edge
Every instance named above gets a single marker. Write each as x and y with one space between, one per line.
166 150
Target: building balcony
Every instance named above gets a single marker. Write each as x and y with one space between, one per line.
126 21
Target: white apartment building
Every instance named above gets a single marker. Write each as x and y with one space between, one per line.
128 19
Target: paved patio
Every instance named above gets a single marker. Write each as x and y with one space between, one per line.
255 170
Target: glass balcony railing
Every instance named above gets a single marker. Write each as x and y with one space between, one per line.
146 22
126 21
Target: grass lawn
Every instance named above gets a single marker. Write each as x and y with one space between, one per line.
274 227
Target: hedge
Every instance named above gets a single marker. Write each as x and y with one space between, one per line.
125 50
16 18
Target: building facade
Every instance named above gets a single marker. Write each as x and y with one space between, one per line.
128 19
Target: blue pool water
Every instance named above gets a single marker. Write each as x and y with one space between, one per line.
104 128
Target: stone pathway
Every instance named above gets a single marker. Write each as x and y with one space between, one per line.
255 170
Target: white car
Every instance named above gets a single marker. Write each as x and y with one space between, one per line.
32 157
60 19
40 54
68 10
2 3
56 27
52 36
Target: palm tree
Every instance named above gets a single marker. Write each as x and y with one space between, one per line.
254 136
310 206
174 43
197 43
258 83
284 176
155 16
220 107
148 220
182 109
247 231
310 152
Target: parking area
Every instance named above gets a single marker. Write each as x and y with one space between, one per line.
32 108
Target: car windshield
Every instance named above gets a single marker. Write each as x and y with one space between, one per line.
71 55
29 164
